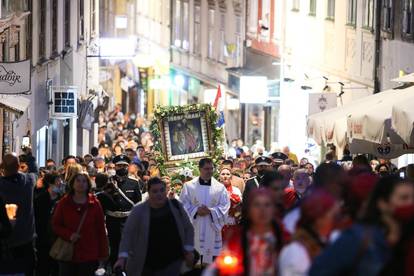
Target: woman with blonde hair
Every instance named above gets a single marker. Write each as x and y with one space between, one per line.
71 171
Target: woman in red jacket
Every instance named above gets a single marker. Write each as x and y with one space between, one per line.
91 245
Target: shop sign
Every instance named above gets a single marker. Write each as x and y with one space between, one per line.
319 102
15 77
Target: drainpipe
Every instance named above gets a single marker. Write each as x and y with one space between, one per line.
377 61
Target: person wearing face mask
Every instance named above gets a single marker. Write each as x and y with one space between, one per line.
44 205
367 246
263 164
123 194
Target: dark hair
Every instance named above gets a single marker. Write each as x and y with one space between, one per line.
361 160
205 161
50 179
377 169
227 162
94 151
69 157
382 191
269 177
73 179
325 173
329 156
155 181
50 160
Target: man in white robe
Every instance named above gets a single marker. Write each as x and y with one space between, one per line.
207 204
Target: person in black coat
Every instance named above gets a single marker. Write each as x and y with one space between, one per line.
44 205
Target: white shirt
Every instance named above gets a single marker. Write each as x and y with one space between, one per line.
291 219
294 260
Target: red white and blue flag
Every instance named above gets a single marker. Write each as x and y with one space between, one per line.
216 105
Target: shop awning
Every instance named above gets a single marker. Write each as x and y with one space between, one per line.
405 79
365 124
17 104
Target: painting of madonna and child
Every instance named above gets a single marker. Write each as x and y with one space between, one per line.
186 137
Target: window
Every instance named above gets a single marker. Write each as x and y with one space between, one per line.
17 49
211 15
81 20
54 26
222 44
42 30
330 13
312 7
186 26
93 18
177 21
407 27
295 5
351 12
67 23
197 30
387 22
368 19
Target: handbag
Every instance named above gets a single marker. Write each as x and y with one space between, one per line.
62 250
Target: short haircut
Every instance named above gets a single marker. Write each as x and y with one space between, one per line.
227 163
155 181
205 161
94 151
299 172
270 177
50 160
69 157
73 179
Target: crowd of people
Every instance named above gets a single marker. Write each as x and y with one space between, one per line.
253 213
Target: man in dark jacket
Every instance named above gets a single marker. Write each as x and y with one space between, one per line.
17 188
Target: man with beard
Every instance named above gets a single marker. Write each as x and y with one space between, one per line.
263 164
118 198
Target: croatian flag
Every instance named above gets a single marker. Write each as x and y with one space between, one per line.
220 121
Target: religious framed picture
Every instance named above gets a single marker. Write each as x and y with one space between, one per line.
186 136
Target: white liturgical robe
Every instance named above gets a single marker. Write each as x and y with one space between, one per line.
208 240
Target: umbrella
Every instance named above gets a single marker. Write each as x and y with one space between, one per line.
403 120
331 126
373 122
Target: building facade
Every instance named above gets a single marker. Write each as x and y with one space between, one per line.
397 37
207 37
328 47
15 121
61 32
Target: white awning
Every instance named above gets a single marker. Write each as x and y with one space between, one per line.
405 79
16 104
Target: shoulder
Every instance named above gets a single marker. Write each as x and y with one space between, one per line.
139 208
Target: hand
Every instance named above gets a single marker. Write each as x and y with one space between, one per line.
189 259
203 211
75 237
121 262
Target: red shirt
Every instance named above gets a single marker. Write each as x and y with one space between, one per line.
93 243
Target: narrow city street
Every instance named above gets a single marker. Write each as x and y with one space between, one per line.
206 137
